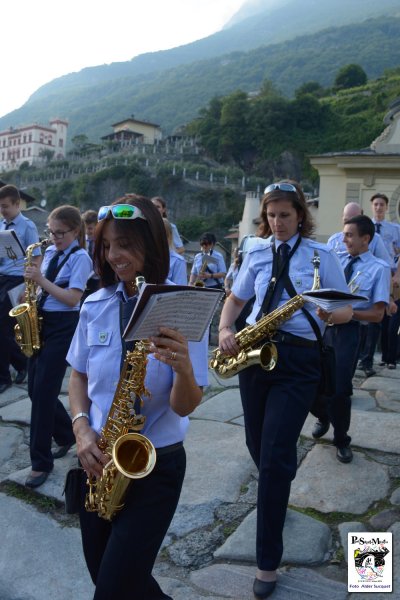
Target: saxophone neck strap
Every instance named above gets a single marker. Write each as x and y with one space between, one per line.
278 271
125 312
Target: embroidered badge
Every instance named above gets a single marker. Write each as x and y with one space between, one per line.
297 282
102 336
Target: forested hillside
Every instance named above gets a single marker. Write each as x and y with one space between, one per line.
174 96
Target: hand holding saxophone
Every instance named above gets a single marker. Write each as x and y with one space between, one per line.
91 457
33 272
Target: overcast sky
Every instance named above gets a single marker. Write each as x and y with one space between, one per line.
44 39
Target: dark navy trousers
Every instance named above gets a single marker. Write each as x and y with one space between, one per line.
10 352
120 555
337 408
275 406
46 371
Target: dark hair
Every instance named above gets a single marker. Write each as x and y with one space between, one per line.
147 237
208 237
10 191
364 225
298 201
71 217
379 195
163 204
89 217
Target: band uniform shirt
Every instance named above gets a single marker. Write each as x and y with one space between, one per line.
176 238
371 278
215 264
73 274
27 234
390 234
376 246
177 268
97 342
256 271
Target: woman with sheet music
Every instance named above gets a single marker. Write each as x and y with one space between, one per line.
131 241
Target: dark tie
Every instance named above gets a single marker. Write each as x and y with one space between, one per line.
9 225
90 248
51 271
378 227
283 254
348 271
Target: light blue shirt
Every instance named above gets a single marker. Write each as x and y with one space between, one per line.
256 271
215 264
177 268
232 272
376 246
370 277
176 238
96 351
75 272
390 234
27 234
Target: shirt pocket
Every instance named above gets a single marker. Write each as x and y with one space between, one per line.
103 356
261 285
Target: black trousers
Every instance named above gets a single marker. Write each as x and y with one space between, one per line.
337 408
369 339
46 371
120 555
10 352
389 339
275 406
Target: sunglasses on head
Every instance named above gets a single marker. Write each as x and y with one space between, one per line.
283 187
121 211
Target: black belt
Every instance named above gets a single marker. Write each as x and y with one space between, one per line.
294 340
168 449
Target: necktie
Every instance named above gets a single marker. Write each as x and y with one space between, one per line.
283 254
348 271
51 271
9 225
378 227
90 248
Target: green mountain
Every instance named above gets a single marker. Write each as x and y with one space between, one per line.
170 87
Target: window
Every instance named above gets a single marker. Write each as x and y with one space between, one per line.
60 143
29 151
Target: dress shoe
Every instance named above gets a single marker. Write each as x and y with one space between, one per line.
391 366
4 387
320 429
369 372
34 481
21 376
344 454
382 364
61 451
263 589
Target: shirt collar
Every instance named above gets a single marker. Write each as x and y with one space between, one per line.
290 242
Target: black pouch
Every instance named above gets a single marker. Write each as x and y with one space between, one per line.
328 371
73 490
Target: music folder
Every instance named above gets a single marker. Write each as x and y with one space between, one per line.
185 308
329 299
10 246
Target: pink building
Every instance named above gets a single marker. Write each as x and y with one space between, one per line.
26 143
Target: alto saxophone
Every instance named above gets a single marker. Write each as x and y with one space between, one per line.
200 282
27 329
132 455
248 339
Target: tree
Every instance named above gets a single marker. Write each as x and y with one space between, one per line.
350 76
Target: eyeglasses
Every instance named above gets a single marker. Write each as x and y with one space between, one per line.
58 235
121 211
283 187
205 244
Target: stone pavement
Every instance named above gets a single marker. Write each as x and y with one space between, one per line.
209 551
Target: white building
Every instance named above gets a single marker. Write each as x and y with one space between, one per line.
26 143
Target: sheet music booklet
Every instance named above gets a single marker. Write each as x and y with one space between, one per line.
188 309
10 246
329 299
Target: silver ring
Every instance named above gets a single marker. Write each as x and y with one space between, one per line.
173 356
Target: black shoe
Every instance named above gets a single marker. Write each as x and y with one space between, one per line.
20 376
4 387
391 366
62 451
382 364
369 372
263 589
320 429
34 482
344 454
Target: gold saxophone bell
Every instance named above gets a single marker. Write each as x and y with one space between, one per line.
134 455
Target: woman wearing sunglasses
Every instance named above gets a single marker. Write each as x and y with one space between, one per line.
131 241
62 277
276 402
